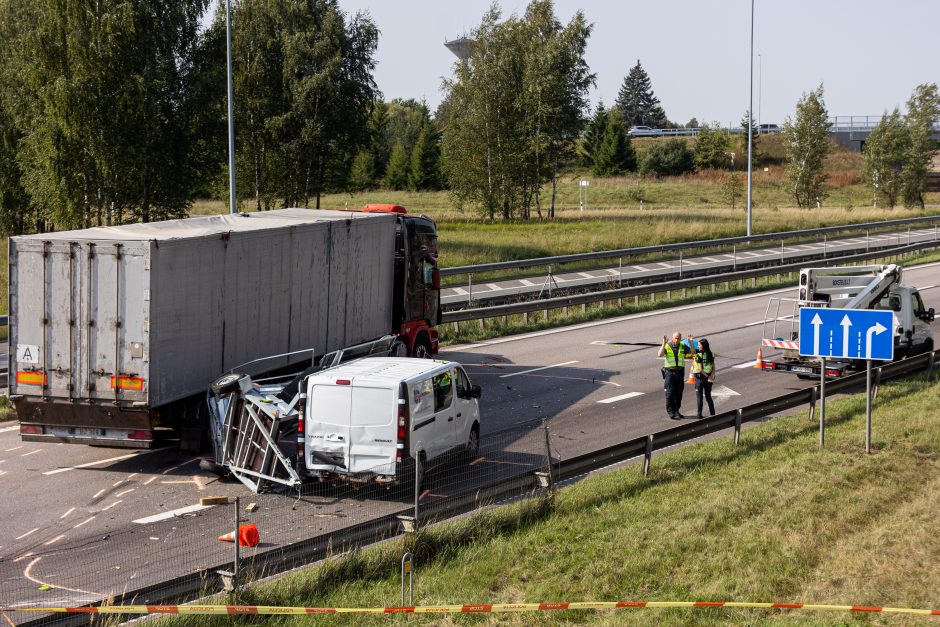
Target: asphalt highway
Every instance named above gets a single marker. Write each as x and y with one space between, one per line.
80 522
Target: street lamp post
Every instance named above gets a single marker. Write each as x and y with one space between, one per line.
760 88
750 133
231 120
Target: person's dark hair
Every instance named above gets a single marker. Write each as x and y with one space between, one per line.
706 351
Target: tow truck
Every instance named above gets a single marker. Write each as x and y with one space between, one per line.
846 287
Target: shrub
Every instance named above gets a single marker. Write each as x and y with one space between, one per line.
670 158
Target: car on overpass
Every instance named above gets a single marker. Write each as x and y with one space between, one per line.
644 131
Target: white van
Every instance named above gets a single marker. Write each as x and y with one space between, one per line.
363 420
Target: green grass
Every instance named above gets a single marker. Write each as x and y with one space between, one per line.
774 520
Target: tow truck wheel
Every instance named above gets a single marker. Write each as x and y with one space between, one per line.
227 383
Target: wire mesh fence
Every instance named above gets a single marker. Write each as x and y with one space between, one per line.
178 556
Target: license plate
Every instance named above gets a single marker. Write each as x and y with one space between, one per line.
86 432
801 369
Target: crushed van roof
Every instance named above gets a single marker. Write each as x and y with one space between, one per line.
202 226
383 369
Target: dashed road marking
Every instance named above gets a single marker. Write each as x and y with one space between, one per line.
586 275
103 461
460 291
124 492
84 522
54 540
24 556
613 271
98 493
171 514
150 480
66 513
8 429
622 397
712 259
663 264
114 504
493 287
527 282
516 374
640 268
38 450
28 533
15 448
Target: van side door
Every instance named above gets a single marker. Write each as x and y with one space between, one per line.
445 411
468 409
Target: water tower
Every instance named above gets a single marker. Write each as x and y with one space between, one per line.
462 47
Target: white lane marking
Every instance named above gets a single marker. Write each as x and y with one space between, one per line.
66 513
2 472
30 532
622 397
15 448
723 391
749 254
663 264
98 493
38 450
24 556
150 480
2 461
712 259
103 461
689 262
189 461
8 429
124 492
747 364
493 287
460 291
640 268
527 282
54 540
114 504
585 275
84 522
27 574
780 319
613 271
516 374
171 514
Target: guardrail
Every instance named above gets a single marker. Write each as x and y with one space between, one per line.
698 244
480 313
191 586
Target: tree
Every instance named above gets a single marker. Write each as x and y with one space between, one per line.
593 135
692 123
886 150
923 112
712 147
615 154
362 172
670 158
515 110
424 169
637 102
731 188
304 74
807 145
396 174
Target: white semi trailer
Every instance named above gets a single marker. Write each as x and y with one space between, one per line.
117 332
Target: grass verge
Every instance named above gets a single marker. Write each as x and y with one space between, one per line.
775 519
479 330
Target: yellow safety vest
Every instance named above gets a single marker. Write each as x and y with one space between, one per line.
671 360
700 365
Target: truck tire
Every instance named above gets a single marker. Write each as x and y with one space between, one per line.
227 383
422 348
398 349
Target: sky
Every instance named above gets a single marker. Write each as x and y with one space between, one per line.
868 54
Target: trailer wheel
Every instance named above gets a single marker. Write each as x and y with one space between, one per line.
227 383
422 349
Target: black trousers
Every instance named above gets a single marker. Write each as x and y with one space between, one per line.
703 387
672 385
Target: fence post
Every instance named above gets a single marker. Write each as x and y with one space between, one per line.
407 566
734 253
648 455
238 555
930 365
874 386
469 290
738 417
812 403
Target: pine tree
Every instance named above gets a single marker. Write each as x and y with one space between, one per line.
396 174
637 102
615 154
593 135
424 170
712 147
362 172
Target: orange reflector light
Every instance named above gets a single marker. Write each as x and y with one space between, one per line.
127 383
27 377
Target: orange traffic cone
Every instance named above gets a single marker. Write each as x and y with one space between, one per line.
759 363
247 535
691 379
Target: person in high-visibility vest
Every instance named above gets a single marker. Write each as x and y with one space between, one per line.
674 354
703 369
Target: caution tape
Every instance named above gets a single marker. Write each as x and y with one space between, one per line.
233 610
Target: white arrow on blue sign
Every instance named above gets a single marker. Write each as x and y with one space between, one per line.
846 333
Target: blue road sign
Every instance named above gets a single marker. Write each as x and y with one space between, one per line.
846 333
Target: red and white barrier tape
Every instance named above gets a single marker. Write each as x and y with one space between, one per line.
457 609
780 344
